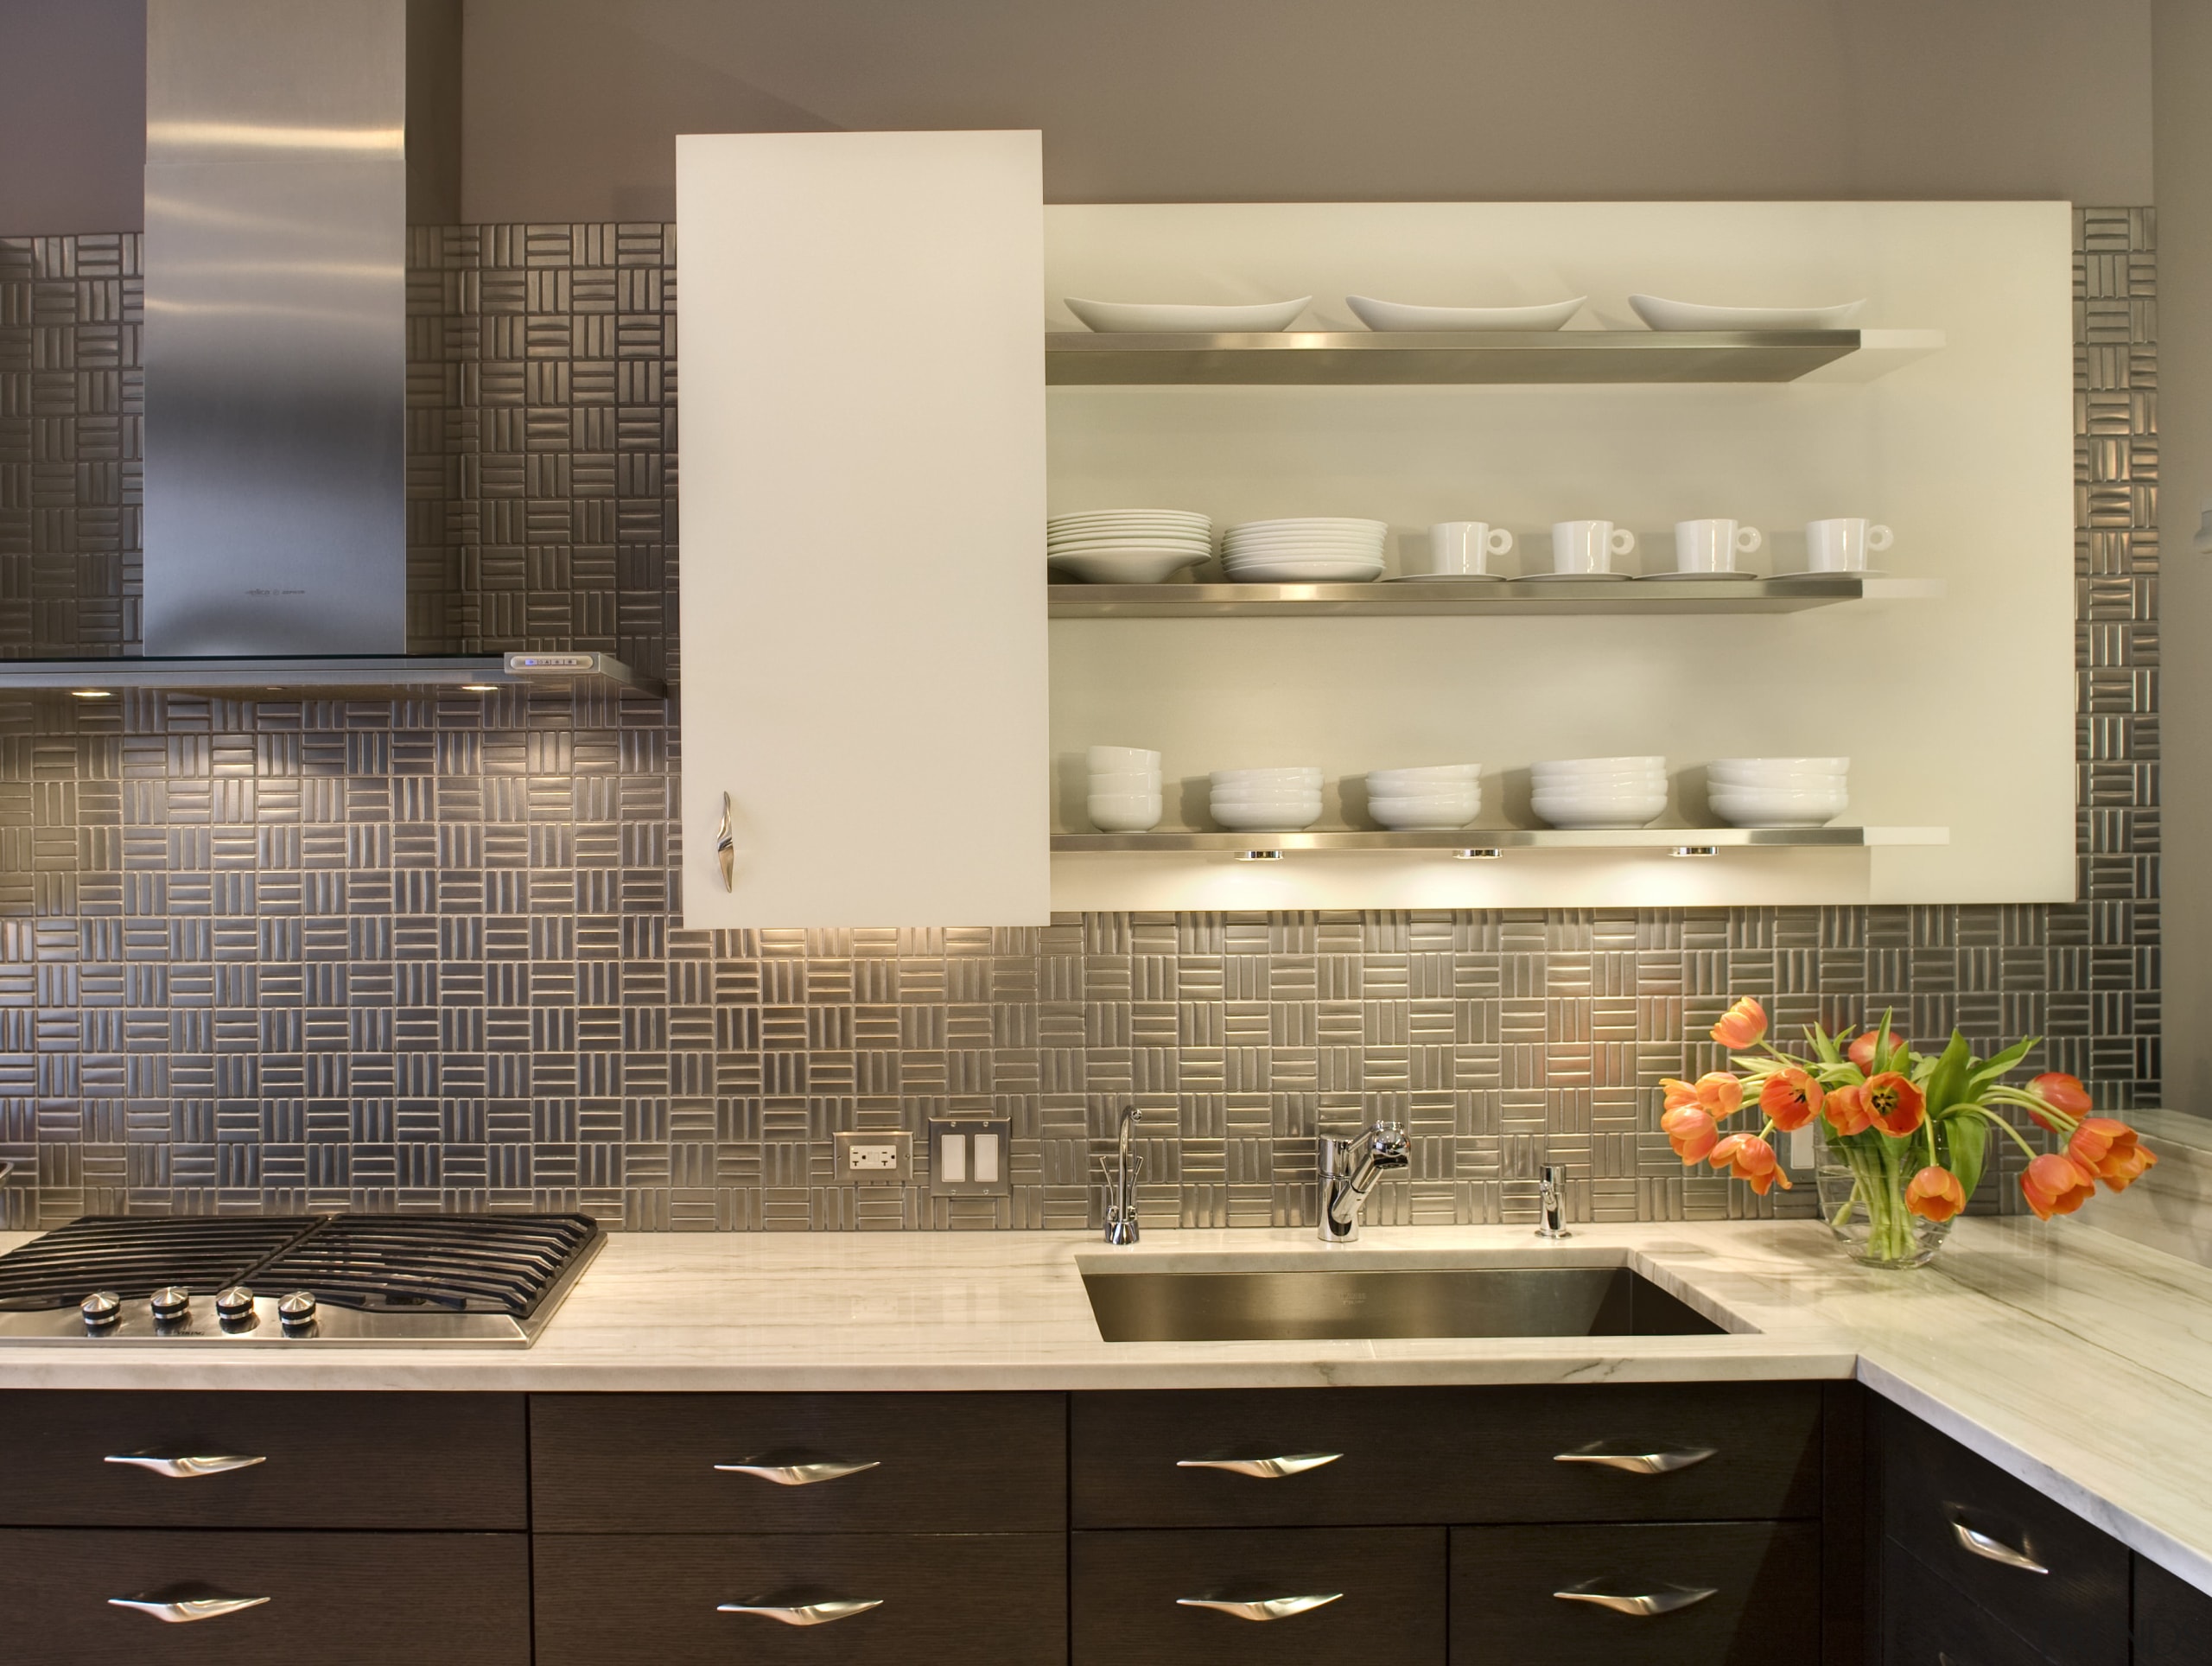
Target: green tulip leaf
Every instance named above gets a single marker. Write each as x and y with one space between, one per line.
1968 1136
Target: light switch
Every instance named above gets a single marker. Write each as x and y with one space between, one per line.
987 1159
952 1158
969 1156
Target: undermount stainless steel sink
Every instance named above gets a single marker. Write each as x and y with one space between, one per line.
1375 1302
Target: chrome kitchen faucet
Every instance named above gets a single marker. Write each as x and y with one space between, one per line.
1350 1169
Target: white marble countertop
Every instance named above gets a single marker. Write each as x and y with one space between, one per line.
2078 1360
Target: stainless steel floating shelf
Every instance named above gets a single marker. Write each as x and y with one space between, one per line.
1507 838
328 676
1346 358
1523 597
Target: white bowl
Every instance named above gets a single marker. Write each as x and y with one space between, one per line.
1423 812
1818 766
1271 773
1258 818
1123 812
1426 776
1122 757
1125 568
1123 781
1777 809
1461 792
1399 316
1598 765
1266 801
1129 535
1265 316
1663 314
1578 812
1781 784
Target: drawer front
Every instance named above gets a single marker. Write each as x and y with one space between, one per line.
937 1463
334 1599
1934 1491
1130 1591
2173 1618
1924 1623
1447 1455
332 1460
1000 1599
1764 1609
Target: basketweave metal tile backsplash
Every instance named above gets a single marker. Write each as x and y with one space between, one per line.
420 954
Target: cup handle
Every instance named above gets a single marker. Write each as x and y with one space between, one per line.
1879 538
1499 542
1623 541
1748 539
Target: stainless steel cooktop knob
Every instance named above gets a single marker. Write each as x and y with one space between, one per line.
170 1302
295 1311
101 1309
234 1304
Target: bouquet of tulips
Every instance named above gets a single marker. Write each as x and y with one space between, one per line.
1913 1129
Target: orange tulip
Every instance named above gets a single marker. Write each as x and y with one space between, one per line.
1846 1109
2064 1094
1862 1050
1741 1025
1894 1103
2056 1185
1791 1098
1934 1194
1691 1132
1748 1158
2111 1151
1718 1093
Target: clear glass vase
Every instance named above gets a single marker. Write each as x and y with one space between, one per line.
1862 1178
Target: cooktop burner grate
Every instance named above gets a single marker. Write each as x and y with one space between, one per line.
135 1256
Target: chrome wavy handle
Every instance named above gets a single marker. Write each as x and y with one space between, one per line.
1640 1463
796 1469
185 1466
726 848
174 1608
828 1611
1264 1469
1996 1550
1638 1605
1262 1608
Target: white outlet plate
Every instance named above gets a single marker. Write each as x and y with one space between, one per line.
875 1157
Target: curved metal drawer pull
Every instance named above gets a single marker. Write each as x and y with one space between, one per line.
825 1612
1640 1463
726 848
184 1465
1264 1469
1261 1608
1638 1604
177 1609
1996 1550
796 1469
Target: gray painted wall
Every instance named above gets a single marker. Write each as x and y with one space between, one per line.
73 116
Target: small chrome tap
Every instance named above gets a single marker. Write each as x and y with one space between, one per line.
1350 1169
1128 1163
1551 1201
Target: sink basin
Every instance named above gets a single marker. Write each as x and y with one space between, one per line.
1356 1303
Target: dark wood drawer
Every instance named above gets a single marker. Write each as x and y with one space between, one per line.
1389 1585
1764 1579
1934 1491
335 1461
2173 1618
1000 1599
942 1463
1926 1623
335 1598
1446 1455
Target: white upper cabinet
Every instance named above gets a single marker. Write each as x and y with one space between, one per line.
864 634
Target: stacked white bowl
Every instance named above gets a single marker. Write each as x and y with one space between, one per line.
1267 800
1310 549
1436 795
1599 791
1124 789
1126 546
1777 792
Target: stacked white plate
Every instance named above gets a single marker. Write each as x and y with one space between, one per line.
1126 546
1778 791
1267 800
1309 550
1124 789
1439 795
1599 791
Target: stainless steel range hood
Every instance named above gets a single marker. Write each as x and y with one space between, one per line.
281 145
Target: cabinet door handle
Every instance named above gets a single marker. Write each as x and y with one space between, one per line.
1264 1469
1638 1605
176 1608
1262 1608
1640 1463
726 848
796 1469
184 1465
1996 1550
827 1612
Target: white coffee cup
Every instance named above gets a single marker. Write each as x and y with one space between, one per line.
1712 546
1842 546
1462 549
1588 546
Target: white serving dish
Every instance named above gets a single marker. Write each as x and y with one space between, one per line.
1801 780
1663 314
1276 801
1777 809
1802 766
1270 773
1122 757
1400 315
1265 317
1420 774
1598 765
1406 814
1123 781
1126 567
1123 812
1254 818
1580 812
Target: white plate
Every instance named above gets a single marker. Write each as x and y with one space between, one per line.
1310 522
1691 578
1130 546
1123 569
1126 514
1570 578
1304 576
1663 314
1398 315
1859 572
1265 317
1444 578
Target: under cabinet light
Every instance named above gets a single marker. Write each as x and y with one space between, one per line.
1259 855
1476 853
479 688
93 694
1693 850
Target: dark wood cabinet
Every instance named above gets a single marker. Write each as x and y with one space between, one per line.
332 1599
1925 1623
2173 1619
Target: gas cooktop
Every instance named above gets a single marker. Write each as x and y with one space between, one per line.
482 1281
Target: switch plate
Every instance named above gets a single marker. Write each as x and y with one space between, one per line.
983 1150
875 1157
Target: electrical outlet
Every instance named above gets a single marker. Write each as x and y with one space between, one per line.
968 1157
875 1157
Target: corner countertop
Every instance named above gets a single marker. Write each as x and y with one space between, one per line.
2078 1360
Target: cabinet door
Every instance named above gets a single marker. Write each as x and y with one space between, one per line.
863 500
2173 1619
1925 1622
